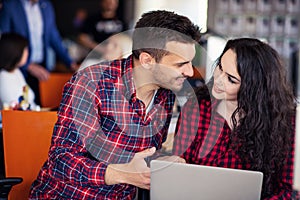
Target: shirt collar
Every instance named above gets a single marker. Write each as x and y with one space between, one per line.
127 76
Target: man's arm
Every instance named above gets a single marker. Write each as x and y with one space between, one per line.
69 159
5 17
135 172
78 124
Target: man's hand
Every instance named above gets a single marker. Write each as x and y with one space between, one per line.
38 71
176 159
135 172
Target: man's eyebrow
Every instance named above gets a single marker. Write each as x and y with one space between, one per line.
183 63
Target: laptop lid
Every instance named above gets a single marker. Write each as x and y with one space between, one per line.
177 181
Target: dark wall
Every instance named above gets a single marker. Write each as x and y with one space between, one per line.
65 11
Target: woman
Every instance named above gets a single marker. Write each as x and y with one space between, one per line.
13 87
245 118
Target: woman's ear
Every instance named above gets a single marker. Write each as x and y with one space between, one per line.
146 60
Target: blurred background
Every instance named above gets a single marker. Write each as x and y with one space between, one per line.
276 22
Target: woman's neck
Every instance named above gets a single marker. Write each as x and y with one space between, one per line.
226 109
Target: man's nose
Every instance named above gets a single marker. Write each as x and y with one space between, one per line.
188 70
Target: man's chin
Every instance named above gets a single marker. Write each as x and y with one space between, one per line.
176 88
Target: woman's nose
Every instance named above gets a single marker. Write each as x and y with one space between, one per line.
219 78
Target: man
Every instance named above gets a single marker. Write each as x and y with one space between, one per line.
35 20
102 25
115 114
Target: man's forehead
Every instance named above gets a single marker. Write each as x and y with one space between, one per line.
185 50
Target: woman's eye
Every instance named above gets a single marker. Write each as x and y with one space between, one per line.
220 67
231 80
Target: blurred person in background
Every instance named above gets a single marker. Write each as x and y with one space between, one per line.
13 55
115 47
35 20
100 26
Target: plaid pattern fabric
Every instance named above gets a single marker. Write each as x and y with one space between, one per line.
100 121
202 137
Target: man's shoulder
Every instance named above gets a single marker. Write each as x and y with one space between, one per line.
103 71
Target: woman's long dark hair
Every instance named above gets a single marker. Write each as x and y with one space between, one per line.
262 122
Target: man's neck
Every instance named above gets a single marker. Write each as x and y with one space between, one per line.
144 84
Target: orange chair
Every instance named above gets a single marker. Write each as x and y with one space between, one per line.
51 90
26 141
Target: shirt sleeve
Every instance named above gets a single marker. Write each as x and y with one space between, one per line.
78 121
5 18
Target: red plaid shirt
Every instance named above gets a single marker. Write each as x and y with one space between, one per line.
100 121
202 137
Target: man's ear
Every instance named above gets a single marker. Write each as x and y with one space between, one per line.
146 60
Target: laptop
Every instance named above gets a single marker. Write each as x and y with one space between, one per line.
177 181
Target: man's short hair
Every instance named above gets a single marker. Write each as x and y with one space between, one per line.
156 28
